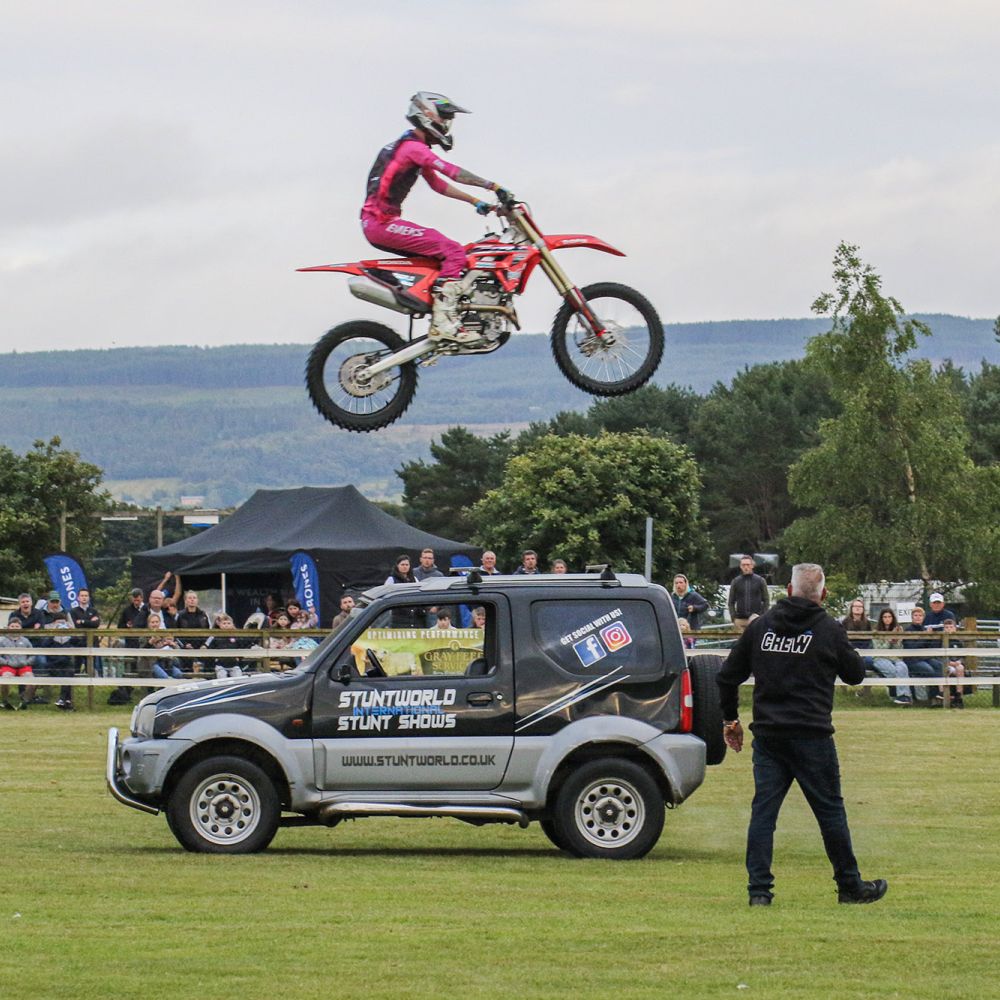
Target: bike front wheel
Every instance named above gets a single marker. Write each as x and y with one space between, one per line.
339 384
626 353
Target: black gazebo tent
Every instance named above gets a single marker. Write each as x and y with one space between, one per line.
352 541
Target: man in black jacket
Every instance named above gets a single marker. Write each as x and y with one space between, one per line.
193 617
795 652
84 615
748 594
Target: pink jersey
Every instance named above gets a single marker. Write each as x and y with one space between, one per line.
395 172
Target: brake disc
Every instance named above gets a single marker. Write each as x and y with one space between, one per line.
356 381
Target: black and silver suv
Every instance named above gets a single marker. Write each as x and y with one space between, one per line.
571 704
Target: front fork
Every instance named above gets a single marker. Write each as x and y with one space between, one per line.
558 277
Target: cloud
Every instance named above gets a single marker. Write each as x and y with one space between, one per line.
165 168
99 170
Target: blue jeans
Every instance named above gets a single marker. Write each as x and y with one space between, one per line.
161 668
777 762
885 666
925 668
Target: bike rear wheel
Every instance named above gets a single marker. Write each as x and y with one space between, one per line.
624 357
339 387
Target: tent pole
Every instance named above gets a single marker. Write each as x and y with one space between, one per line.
223 575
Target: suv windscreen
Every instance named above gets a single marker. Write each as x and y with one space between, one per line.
591 637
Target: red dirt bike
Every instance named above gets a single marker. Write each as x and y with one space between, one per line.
607 338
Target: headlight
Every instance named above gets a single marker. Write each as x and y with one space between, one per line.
143 718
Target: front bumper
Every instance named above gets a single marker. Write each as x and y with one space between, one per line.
137 769
116 786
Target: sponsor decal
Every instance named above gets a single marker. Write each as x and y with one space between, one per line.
306 579
564 701
395 227
590 626
419 760
771 642
615 636
611 635
589 650
399 709
67 577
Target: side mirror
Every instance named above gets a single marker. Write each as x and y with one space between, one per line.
343 673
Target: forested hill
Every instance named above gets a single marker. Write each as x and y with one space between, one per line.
162 421
697 355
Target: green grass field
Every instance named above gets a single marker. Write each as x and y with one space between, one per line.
98 901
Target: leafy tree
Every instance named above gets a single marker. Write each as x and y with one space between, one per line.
983 594
565 422
586 499
438 496
35 487
671 410
745 436
982 414
891 489
109 600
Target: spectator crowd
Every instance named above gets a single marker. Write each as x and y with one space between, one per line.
170 619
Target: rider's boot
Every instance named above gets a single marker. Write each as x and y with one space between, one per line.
445 321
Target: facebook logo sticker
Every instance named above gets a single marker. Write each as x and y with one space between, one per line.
589 650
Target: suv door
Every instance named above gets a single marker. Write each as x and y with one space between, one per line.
412 707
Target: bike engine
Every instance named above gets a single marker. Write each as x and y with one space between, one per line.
492 324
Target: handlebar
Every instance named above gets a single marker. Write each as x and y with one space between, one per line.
506 199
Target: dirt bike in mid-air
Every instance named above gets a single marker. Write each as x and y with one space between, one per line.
607 338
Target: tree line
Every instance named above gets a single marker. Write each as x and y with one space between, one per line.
859 455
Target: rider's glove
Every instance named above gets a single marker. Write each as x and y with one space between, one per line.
483 208
502 194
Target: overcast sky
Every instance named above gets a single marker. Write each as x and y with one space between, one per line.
165 167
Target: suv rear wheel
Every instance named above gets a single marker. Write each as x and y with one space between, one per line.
608 808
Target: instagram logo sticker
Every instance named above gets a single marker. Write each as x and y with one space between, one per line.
615 636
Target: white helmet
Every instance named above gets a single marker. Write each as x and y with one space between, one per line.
432 114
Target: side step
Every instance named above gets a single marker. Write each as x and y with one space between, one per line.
470 814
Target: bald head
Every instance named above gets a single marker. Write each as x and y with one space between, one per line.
808 581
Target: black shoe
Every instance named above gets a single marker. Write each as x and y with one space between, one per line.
760 900
7 707
867 892
957 701
66 706
24 704
39 699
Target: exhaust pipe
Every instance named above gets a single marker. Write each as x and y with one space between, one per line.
379 295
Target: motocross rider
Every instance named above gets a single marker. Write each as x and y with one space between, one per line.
393 175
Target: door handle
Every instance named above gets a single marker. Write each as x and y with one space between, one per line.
479 698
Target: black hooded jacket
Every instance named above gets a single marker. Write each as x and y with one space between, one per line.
795 652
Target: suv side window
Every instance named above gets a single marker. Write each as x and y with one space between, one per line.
412 641
593 637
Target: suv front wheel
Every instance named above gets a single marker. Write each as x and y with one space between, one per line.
608 808
224 805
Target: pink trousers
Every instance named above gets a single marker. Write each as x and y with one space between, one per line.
411 240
